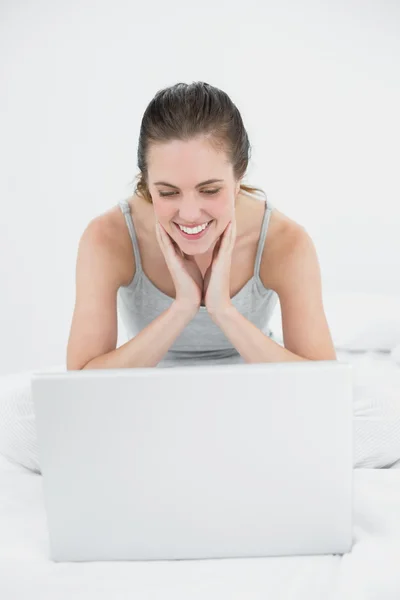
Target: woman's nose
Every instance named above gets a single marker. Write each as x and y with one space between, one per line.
190 211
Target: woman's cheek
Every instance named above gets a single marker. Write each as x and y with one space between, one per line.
162 213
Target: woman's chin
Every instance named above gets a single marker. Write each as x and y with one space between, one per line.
199 250
190 251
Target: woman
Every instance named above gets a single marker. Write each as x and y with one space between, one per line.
187 260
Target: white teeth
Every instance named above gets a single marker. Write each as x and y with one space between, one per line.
193 230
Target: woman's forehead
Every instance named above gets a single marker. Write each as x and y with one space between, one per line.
184 164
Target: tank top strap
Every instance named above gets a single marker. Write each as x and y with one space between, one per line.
261 241
126 209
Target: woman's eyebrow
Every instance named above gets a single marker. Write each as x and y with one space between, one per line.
198 185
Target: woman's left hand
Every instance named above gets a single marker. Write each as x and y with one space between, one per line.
216 288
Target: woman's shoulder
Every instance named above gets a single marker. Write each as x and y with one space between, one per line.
111 227
283 235
281 228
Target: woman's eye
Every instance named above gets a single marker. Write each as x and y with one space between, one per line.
163 194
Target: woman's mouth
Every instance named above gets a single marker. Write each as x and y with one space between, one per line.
194 233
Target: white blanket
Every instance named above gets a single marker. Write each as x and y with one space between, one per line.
370 572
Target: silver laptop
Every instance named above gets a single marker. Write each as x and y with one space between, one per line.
248 460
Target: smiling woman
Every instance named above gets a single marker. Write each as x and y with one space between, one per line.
186 260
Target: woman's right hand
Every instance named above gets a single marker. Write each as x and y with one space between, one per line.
185 273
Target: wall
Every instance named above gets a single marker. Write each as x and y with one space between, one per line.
318 87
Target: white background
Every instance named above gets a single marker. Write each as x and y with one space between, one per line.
318 87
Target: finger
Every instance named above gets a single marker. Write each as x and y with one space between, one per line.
175 247
158 233
233 233
164 236
168 238
232 229
170 248
160 228
226 237
216 249
161 237
164 241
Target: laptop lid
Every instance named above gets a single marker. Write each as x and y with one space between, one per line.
197 462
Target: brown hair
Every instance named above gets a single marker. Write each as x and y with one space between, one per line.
185 111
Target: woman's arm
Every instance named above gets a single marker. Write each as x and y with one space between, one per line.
251 343
94 329
297 281
149 346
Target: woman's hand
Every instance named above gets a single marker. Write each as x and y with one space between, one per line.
216 292
185 273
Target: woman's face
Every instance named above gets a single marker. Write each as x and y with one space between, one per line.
189 200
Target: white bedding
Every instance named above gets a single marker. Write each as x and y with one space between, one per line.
371 571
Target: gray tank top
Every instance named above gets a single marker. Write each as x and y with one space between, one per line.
202 341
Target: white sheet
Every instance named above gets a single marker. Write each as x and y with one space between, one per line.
376 393
370 572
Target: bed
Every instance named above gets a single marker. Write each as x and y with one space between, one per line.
370 571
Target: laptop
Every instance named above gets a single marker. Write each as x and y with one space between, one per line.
248 460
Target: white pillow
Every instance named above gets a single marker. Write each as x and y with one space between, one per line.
18 442
395 354
357 321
